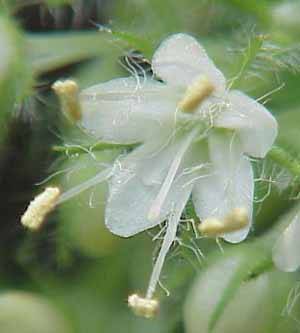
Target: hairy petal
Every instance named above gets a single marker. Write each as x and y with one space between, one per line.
256 126
230 184
137 183
126 110
180 59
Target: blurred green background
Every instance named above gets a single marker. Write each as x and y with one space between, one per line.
73 275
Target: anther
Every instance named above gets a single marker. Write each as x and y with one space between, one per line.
41 205
67 92
143 307
237 219
195 93
211 227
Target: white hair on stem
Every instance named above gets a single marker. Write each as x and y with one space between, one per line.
293 298
164 288
68 171
197 254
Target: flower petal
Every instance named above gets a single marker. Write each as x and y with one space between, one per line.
229 186
256 126
286 252
137 183
126 110
180 59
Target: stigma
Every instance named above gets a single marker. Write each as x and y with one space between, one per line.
195 93
39 207
236 220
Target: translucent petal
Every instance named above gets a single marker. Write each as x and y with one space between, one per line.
126 110
180 59
286 252
256 126
230 184
132 192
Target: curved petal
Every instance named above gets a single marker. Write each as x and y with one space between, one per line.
137 183
229 186
256 126
286 252
125 110
180 59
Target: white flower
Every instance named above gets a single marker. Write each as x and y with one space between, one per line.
195 140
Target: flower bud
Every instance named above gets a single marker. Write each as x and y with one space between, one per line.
28 313
88 235
259 304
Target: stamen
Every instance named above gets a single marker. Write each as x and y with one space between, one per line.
37 210
99 178
167 242
143 307
237 219
45 202
67 92
195 93
156 207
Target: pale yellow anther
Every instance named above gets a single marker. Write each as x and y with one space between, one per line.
237 219
68 92
195 93
211 227
143 307
41 205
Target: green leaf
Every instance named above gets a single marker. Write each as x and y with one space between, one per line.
283 158
258 9
289 130
15 74
48 52
134 41
248 56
